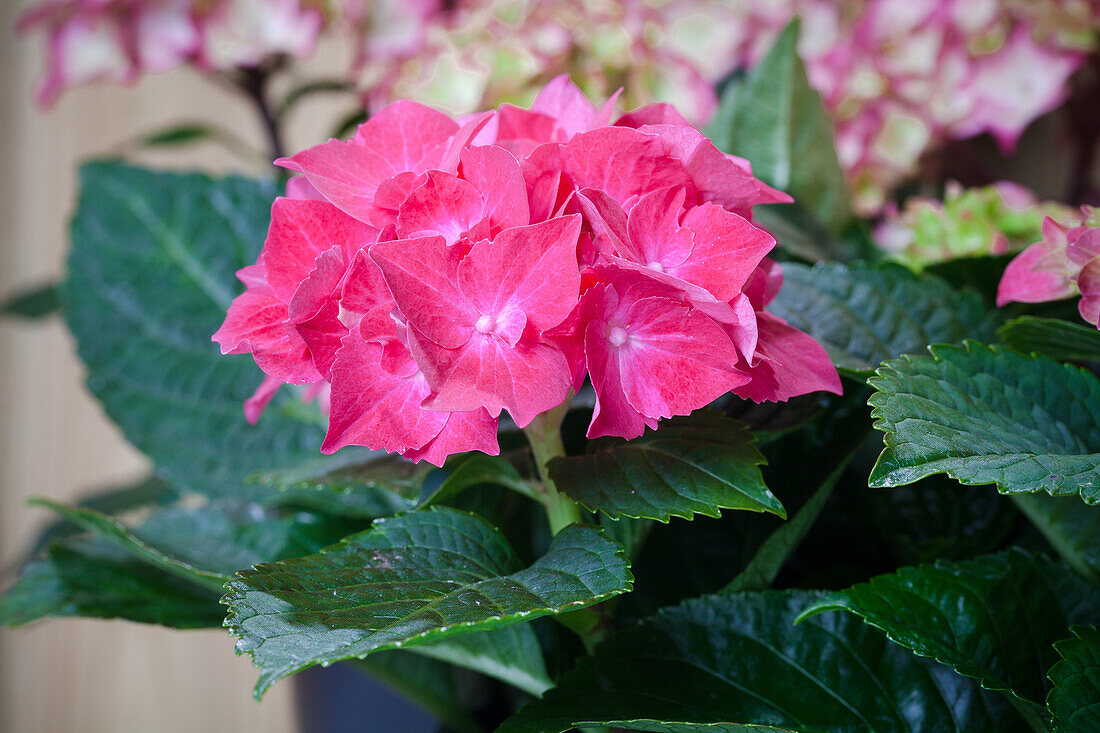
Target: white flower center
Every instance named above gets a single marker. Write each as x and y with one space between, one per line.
618 336
484 324
656 266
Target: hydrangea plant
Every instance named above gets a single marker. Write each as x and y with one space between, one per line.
611 421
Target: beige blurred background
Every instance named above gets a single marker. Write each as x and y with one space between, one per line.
69 676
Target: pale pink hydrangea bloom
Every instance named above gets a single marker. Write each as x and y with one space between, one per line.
505 50
900 77
119 40
436 273
242 33
1065 263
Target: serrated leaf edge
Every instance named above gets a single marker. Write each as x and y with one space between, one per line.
430 635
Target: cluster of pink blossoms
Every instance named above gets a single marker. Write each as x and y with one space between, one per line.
505 50
1065 263
120 40
436 272
900 77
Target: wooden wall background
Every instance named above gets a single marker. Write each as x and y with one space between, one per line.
70 676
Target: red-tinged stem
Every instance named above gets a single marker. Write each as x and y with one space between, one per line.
254 83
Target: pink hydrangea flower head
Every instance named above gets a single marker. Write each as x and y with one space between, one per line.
436 273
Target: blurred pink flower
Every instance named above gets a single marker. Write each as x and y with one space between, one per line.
900 77
120 40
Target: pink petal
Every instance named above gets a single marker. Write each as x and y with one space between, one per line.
1024 281
442 204
402 137
566 104
257 323
608 221
374 407
622 162
463 432
542 174
656 238
527 379
715 177
532 269
406 133
670 358
727 250
521 130
346 173
423 276
613 413
250 318
764 283
366 300
1089 284
791 363
653 114
300 231
299 187
255 405
497 175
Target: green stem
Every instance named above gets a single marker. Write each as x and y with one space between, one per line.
544 435
1031 506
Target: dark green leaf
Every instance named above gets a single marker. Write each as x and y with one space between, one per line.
865 314
411 580
347 124
224 538
471 469
985 415
114 532
761 571
179 551
510 654
148 493
95 578
697 464
1071 529
775 119
937 519
728 662
181 134
982 274
687 559
33 303
310 89
1057 339
151 275
1074 700
353 482
993 618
